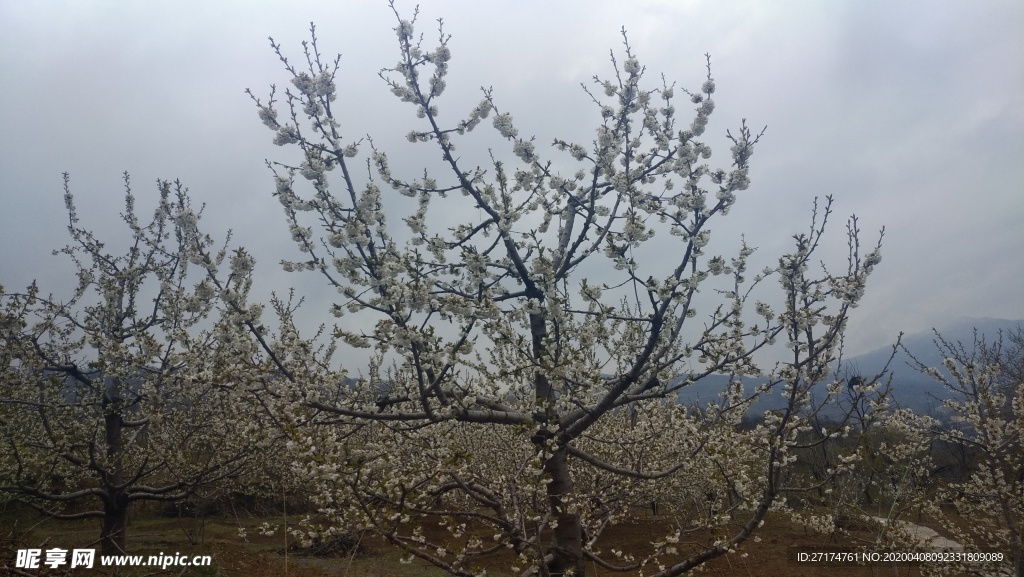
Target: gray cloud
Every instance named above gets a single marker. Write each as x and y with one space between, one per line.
912 114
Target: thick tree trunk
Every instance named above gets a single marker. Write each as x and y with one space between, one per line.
114 532
567 547
566 552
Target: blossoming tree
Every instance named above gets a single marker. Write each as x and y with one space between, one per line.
508 351
984 381
118 394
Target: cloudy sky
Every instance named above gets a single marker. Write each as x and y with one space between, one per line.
910 113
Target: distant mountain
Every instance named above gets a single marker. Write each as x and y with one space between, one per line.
911 389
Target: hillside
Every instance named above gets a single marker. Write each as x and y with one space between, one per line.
911 389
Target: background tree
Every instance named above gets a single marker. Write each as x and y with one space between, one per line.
119 393
541 313
985 414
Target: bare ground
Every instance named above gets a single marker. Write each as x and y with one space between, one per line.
263 556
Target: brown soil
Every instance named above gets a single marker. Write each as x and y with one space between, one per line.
261 556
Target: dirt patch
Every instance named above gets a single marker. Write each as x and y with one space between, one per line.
265 556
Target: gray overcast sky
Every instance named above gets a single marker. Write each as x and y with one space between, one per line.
910 113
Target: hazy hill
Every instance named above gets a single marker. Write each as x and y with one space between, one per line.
911 389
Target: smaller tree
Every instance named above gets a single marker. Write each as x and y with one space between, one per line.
114 396
986 414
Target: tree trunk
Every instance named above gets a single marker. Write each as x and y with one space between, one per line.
1017 544
567 547
566 552
114 532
